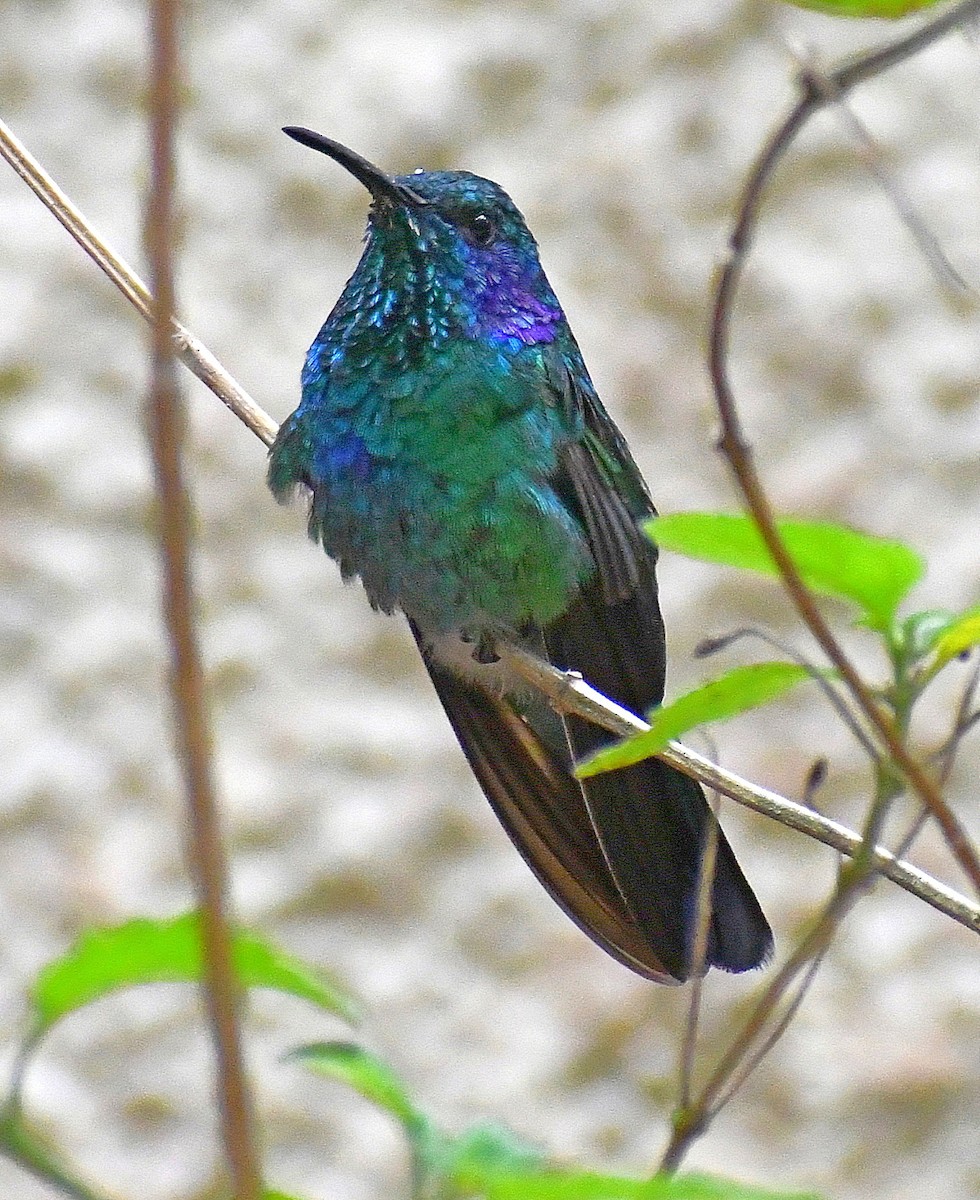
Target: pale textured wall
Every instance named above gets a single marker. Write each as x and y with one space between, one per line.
623 131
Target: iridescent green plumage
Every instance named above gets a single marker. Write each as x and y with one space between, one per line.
461 464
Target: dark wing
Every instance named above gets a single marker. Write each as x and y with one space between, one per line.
651 820
541 805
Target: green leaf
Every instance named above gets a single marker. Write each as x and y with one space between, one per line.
737 691
168 951
565 1185
875 573
890 9
960 635
366 1073
709 1187
484 1152
584 1185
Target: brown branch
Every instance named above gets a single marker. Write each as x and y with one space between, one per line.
733 444
692 1121
937 259
569 693
223 991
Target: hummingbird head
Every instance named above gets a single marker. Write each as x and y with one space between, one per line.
448 250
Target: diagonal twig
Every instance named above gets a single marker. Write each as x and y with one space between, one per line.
570 693
191 352
945 272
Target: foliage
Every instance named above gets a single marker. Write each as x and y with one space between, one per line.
139 952
873 574
739 690
489 1161
168 950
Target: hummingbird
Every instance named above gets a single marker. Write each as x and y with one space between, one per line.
458 460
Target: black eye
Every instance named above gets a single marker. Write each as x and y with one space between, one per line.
481 230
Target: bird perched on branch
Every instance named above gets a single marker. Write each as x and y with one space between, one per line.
461 464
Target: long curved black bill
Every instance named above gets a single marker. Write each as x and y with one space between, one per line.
378 183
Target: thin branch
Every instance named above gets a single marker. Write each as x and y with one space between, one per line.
735 447
964 721
790 1009
566 691
819 677
929 246
866 66
785 990
945 755
222 989
569 693
191 352
749 1045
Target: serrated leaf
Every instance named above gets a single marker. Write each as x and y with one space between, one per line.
735 692
875 573
168 951
960 635
366 1073
583 1185
889 9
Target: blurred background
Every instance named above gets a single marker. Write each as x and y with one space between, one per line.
360 840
